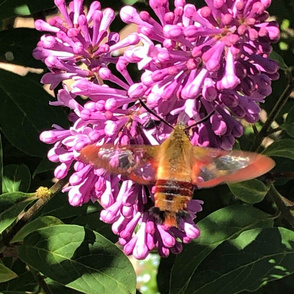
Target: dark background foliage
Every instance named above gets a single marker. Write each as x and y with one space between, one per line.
247 241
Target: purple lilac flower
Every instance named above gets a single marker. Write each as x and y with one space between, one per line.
79 45
201 60
73 49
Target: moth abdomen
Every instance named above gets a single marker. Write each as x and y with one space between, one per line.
172 197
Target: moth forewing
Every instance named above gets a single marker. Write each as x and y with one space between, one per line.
137 162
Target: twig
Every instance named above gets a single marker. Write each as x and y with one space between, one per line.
278 129
286 213
44 195
273 114
40 279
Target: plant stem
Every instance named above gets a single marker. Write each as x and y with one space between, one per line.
278 129
286 213
273 114
44 195
40 279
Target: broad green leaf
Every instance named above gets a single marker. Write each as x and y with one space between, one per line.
164 273
25 113
23 7
16 178
58 288
14 50
80 259
219 226
288 126
290 116
40 222
93 222
252 191
37 6
44 166
246 263
282 148
10 215
7 200
6 273
59 207
284 285
18 202
130 2
23 283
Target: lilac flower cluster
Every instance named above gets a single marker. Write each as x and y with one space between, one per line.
193 62
79 46
211 59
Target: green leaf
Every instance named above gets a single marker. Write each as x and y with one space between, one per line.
58 288
16 178
219 226
23 283
92 221
44 166
6 273
23 7
59 207
288 126
282 148
80 259
164 273
25 113
38 6
7 200
130 2
11 205
279 59
252 191
40 222
14 50
253 259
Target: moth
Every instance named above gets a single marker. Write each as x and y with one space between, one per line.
176 167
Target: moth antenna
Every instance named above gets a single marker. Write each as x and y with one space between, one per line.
155 114
201 120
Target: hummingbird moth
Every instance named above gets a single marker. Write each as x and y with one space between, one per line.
175 167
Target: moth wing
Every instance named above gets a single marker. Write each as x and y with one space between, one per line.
137 162
213 166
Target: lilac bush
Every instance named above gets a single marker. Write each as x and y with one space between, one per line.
211 60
